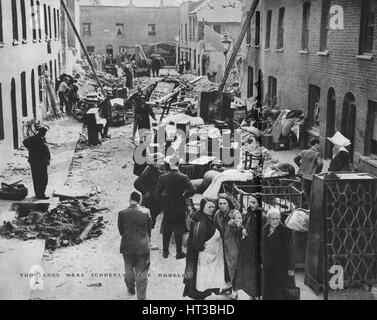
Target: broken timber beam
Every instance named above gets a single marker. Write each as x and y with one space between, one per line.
237 46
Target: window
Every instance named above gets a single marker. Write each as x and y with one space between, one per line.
90 49
257 29
217 28
305 26
268 29
39 20
1 25
23 20
33 20
151 29
194 29
186 32
40 83
46 21
33 98
1 116
272 90
248 34
55 31
86 29
371 136
15 20
194 59
58 21
280 37
120 29
250 82
23 94
49 22
325 24
368 10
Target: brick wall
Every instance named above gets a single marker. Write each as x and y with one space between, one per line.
340 70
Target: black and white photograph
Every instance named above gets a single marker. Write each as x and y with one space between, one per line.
188 150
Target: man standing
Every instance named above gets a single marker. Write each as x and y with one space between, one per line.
172 190
147 184
62 93
310 162
156 66
134 226
39 159
142 113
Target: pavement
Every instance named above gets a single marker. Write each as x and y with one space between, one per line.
20 256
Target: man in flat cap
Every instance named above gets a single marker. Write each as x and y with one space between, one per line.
39 159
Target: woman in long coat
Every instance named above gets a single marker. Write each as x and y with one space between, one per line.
277 257
249 274
204 273
229 222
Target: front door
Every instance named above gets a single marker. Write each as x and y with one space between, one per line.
349 121
330 122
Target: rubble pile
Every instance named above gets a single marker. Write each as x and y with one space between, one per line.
70 223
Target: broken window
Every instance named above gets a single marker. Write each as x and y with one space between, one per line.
280 37
86 29
368 11
23 94
325 24
305 26
120 29
268 29
151 29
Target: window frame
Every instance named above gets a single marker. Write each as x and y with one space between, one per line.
257 32
280 33
267 43
272 88
248 34
325 26
84 31
364 28
153 32
15 22
122 30
2 131
305 29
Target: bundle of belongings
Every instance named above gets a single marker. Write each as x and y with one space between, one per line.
14 191
298 220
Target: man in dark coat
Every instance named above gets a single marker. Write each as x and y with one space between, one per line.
134 226
39 159
147 184
106 113
277 257
142 113
156 66
172 190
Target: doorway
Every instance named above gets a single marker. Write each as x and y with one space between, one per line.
330 122
250 82
13 98
109 50
349 121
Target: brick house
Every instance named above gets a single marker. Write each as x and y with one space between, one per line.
33 34
319 56
202 26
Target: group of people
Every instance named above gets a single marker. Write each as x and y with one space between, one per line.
310 161
183 66
226 251
68 92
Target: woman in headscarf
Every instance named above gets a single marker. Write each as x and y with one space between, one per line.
278 264
341 161
204 272
228 221
249 264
